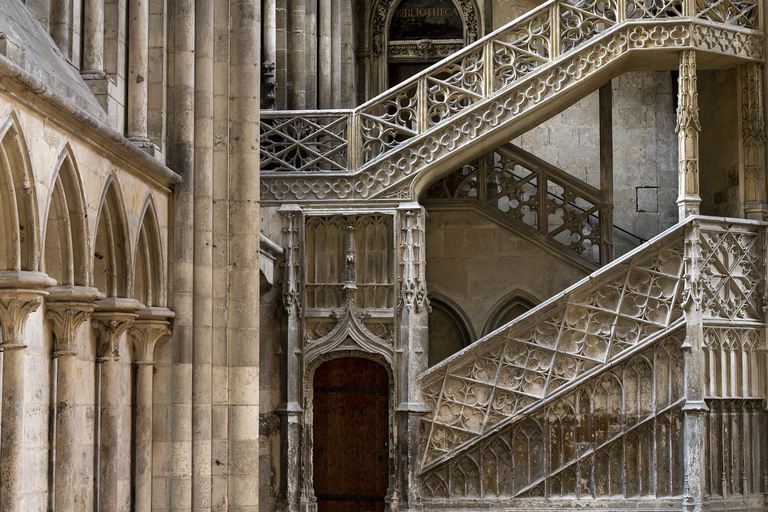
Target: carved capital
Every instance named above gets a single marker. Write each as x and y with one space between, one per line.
151 325
110 320
15 307
66 318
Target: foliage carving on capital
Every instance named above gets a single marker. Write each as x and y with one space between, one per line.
65 319
15 308
145 336
108 331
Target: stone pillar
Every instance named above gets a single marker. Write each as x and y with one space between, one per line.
16 304
294 494
688 129
753 141
110 320
138 65
93 38
243 373
325 71
150 326
181 135
411 354
695 407
297 58
61 30
67 307
606 173
202 326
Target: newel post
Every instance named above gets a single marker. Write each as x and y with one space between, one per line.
694 375
411 351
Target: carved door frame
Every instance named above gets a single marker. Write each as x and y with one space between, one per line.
308 423
382 13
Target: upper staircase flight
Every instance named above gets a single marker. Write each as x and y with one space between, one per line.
394 145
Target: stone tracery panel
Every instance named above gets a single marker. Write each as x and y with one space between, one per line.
607 437
529 192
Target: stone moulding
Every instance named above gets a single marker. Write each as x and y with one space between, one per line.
474 101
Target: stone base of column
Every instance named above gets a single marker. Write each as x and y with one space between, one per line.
104 88
148 147
407 496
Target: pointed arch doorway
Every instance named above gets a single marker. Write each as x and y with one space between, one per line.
351 433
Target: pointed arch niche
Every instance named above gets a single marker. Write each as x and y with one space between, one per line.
18 213
407 36
149 269
66 229
111 257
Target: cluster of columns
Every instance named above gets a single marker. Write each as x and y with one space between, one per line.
67 308
311 45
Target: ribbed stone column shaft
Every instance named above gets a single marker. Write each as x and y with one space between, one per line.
203 254
151 325
138 48
112 318
270 31
325 72
15 308
93 36
66 424
243 374
297 67
67 307
61 29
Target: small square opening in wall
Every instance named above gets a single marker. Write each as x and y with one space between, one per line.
647 199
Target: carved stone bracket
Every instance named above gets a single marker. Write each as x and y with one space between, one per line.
688 128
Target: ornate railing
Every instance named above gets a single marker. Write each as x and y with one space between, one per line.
509 71
533 195
618 311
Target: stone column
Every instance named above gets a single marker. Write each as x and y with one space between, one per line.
695 407
202 326
297 58
110 320
67 307
753 141
606 173
411 354
21 293
325 72
138 65
688 128
61 30
150 326
243 373
294 494
93 38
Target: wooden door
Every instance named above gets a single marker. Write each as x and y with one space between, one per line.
351 431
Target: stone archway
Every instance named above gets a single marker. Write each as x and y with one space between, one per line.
350 435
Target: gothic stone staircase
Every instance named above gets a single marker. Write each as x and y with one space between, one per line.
395 145
646 380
